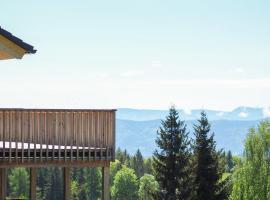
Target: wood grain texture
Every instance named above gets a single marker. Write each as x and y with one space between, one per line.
32 135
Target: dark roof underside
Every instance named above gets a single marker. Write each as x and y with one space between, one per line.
28 48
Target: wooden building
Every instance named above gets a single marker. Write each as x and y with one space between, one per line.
67 138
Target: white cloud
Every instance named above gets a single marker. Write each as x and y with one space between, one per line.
133 73
266 112
243 114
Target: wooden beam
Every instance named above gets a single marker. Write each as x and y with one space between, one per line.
3 183
106 183
33 183
9 49
67 184
53 163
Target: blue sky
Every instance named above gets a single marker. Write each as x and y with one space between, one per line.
139 54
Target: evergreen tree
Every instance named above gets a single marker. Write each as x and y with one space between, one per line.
54 184
93 186
171 161
137 164
148 166
206 170
119 155
229 162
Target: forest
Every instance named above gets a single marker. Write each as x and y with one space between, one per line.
181 168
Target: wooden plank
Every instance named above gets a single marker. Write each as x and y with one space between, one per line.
67 183
105 183
33 183
62 163
3 183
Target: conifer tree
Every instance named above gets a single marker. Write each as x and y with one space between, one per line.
171 161
137 164
229 162
206 169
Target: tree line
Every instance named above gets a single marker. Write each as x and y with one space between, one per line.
185 166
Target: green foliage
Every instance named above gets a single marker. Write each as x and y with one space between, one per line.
171 161
18 181
125 185
229 162
252 177
114 168
53 183
207 161
74 190
137 164
148 187
88 183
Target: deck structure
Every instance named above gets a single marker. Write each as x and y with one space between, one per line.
56 137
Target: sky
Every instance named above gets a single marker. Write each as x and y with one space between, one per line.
138 54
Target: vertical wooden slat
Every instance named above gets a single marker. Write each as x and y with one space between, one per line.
16 134
67 184
65 129
3 183
83 134
60 129
95 134
40 133
88 135
22 134
10 134
33 183
105 183
29 130
77 135
2 130
35 134
54 132
113 134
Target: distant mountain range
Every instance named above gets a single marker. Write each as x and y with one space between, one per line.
137 128
240 113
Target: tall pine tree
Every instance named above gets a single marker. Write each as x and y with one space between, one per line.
206 169
137 164
171 161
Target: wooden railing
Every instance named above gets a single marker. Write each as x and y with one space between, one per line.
52 134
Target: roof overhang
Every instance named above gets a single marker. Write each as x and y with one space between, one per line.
13 47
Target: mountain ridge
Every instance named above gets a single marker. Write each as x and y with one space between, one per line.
240 113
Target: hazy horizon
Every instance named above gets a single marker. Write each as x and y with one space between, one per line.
212 55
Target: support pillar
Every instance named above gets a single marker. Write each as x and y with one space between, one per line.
67 184
3 183
106 183
33 183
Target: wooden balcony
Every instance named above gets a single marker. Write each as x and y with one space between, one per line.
42 137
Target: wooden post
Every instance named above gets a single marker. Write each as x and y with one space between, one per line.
3 183
67 184
106 183
33 183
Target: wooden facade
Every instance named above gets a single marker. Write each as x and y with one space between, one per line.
57 137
